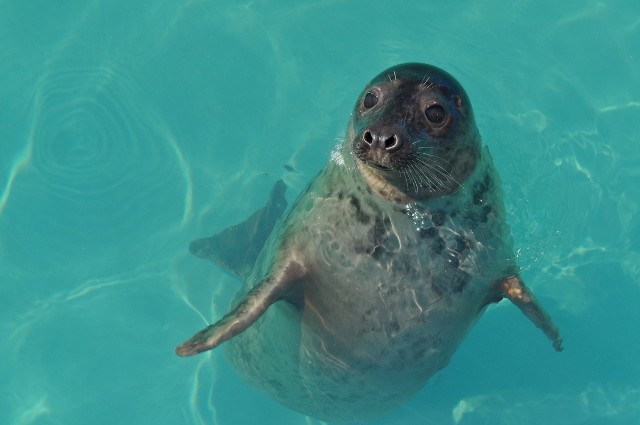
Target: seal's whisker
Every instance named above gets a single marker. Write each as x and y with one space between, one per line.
410 169
443 183
424 178
420 152
432 183
406 181
416 177
434 161
413 178
447 175
406 174
434 166
442 165
421 177
441 176
425 81
437 182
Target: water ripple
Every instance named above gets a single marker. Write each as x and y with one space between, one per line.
101 154
18 164
40 312
596 403
80 132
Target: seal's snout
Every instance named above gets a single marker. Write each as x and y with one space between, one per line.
380 141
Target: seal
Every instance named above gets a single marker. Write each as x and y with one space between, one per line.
367 286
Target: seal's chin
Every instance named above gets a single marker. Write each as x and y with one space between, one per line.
385 181
384 161
384 171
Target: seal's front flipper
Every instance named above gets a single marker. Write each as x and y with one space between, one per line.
251 307
514 290
236 248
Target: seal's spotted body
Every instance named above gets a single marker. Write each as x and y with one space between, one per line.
383 264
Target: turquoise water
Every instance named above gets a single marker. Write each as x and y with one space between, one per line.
128 129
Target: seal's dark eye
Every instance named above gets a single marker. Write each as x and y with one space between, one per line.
435 114
370 100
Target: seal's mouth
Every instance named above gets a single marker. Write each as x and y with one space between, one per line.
378 166
412 176
378 159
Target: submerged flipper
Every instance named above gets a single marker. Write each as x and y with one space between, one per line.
250 308
237 247
518 294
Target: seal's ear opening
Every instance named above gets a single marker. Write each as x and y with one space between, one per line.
458 102
236 248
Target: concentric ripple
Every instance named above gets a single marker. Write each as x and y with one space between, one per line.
86 124
96 144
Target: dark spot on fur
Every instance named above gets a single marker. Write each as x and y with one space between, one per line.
376 209
437 290
361 249
461 282
378 252
478 197
378 231
460 244
428 233
340 195
438 245
419 348
438 218
360 215
355 202
418 354
485 212
402 353
480 189
279 386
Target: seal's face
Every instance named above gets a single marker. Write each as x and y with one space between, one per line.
413 134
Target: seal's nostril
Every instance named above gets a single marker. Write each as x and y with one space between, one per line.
375 140
367 137
389 142
392 143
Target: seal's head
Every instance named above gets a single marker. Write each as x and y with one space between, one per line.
413 134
